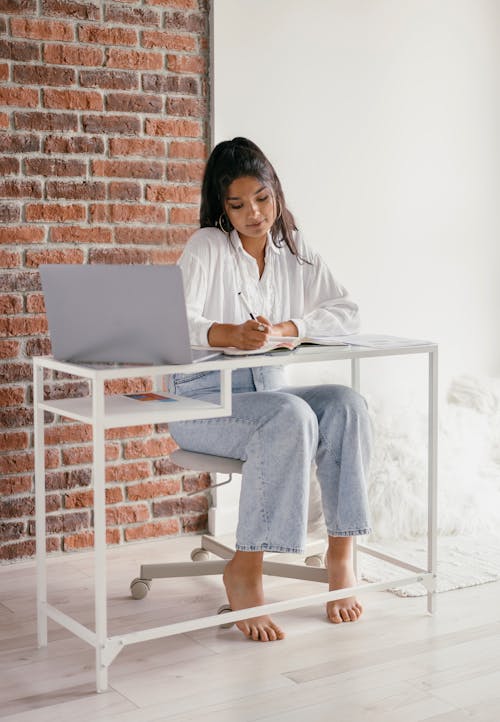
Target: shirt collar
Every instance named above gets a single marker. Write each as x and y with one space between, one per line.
238 246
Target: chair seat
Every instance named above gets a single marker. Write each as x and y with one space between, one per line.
206 462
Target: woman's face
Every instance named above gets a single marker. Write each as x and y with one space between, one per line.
251 208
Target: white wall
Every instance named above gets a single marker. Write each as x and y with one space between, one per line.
382 120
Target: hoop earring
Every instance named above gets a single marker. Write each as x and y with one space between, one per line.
220 223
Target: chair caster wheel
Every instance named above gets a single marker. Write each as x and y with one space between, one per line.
224 609
140 587
315 560
199 555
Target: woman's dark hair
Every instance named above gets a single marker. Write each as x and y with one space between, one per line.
234 159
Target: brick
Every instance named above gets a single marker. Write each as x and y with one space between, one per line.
109 79
19 143
21 234
184 216
149 448
182 4
196 150
73 55
15 418
118 191
152 530
86 539
107 36
22 326
4 72
35 303
9 166
195 483
72 99
42 75
16 485
187 107
82 499
9 213
118 255
9 531
24 97
72 9
41 29
46 121
38 347
20 281
150 235
180 505
68 433
124 124
173 193
164 83
153 489
79 144
16 464
174 128
66 389
127 514
118 213
54 166
10 304
19 51
129 103
185 172
4 121
25 549
8 259
194 524
20 189
136 59
160 39
9 349
78 455
137 146
14 441
165 257
12 396
80 234
128 472
192 22
68 479
186 64
56 213
132 16
17 6
35 258
128 168
80 190
164 467
63 523
125 432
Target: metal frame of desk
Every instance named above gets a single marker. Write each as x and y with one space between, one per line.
103 412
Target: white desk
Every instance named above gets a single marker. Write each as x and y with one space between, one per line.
104 412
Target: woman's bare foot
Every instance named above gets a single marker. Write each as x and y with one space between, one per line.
341 575
243 582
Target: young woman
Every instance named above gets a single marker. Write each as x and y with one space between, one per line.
249 254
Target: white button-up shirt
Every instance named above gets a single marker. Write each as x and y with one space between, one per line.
216 268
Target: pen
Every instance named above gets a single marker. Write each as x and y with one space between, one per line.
249 309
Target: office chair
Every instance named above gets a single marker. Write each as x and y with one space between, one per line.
313 570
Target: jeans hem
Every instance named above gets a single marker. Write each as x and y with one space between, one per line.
269 548
355 532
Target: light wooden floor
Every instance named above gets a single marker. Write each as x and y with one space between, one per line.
396 665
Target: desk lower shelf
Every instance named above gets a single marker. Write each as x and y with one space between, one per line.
122 411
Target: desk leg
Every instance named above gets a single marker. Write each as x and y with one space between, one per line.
432 478
100 592
41 552
355 385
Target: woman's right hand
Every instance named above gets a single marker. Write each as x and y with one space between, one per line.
248 336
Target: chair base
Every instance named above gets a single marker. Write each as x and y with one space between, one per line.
202 566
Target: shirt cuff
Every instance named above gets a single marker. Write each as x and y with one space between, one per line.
301 326
200 335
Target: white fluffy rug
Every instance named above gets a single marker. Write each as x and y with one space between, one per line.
469 486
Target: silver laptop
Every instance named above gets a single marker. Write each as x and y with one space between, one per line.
118 314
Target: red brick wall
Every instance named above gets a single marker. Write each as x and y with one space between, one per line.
103 136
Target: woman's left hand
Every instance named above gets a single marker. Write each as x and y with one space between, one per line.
285 328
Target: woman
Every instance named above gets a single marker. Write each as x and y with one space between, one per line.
248 255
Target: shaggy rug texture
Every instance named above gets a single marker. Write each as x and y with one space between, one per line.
469 486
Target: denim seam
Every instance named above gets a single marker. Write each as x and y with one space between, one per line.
352 532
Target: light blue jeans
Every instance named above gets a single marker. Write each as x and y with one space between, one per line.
279 431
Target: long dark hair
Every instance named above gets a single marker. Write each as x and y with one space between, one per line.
234 159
